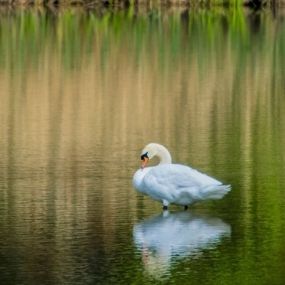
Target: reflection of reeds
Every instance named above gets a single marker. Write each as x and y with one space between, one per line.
81 93
98 69
111 64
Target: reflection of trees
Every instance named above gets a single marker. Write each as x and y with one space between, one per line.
80 95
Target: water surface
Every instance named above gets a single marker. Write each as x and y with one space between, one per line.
82 92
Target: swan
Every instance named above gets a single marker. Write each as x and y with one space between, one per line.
174 183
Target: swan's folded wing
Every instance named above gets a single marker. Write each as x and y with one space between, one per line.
179 176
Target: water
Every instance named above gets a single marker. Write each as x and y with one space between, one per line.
81 93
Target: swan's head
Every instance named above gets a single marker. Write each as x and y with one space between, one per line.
148 153
153 149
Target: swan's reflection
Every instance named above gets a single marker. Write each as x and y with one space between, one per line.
169 236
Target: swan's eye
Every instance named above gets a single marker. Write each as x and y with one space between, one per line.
143 156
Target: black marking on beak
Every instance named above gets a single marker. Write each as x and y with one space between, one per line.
143 156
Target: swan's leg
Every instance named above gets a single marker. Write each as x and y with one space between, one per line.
165 205
186 207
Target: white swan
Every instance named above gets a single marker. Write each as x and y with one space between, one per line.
174 183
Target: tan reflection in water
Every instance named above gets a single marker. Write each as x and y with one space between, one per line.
61 127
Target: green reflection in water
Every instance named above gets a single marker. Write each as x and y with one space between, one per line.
81 93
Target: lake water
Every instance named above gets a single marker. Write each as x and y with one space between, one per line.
82 92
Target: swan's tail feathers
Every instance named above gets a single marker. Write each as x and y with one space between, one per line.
217 192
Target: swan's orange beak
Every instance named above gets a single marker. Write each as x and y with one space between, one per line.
144 162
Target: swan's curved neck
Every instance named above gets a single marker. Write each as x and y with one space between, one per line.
163 155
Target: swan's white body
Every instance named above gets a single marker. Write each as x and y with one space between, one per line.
175 183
